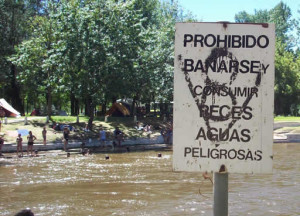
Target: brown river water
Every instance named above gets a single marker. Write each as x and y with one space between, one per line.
141 183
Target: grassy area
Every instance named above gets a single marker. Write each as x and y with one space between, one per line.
36 124
287 118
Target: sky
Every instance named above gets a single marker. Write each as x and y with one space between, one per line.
225 10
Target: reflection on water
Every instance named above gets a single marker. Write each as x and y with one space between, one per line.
140 183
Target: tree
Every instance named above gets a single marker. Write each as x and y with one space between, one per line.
287 80
15 19
95 51
286 60
260 16
280 15
38 56
12 31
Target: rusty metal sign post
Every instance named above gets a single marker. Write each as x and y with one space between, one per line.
223 97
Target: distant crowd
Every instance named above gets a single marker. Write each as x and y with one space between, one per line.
118 137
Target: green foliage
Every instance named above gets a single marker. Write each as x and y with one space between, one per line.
287 80
287 69
38 57
286 118
94 51
99 50
280 15
260 16
13 29
68 119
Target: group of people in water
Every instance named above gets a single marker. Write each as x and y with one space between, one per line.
118 137
166 132
30 141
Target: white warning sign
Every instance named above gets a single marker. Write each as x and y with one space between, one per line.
223 97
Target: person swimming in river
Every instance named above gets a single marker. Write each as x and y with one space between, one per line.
30 139
86 152
25 212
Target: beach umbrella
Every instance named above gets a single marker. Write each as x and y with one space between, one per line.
23 132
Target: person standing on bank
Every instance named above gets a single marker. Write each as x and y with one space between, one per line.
102 134
30 139
19 145
66 138
1 144
118 136
44 133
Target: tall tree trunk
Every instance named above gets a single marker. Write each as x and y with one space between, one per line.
154 107
91 119
86 108
27 106
103 108
90 107
76 107
161 109
133 107
148 108
167 110
49 101
72 98
14 92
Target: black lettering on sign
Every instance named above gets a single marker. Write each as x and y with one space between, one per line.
224 66
232 153
227 41
224 112
187 150
195 152
241 154
188 65
214 153
224 91
224 154
245 135
221 134
258 155
187 38
249 155
215 63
